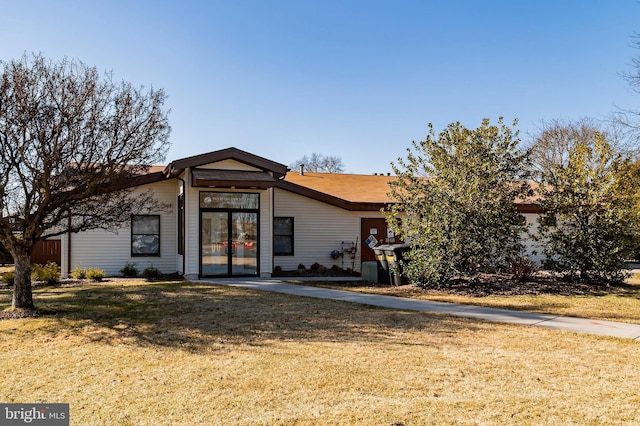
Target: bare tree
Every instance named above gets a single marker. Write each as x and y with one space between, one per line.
628 120
71 144
556 139
320 163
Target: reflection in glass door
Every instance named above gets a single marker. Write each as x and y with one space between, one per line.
244 237
229 243
215 237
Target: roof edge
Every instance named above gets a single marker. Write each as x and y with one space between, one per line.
176 167
145 179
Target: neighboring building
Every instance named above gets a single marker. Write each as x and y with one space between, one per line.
232 213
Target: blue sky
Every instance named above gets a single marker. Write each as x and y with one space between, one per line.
355 79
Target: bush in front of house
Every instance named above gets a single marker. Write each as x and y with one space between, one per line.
95 274
49 273
78 273
151 274
129 270
319 269
8 278
523 269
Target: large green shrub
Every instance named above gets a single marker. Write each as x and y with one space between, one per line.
455 200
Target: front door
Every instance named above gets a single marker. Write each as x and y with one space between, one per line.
229 229
376 228
229 243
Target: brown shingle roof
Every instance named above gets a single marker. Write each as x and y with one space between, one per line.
156 169
348 187
360 192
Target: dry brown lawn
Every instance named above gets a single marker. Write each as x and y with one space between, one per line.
132 353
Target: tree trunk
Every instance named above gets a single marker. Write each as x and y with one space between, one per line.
22 295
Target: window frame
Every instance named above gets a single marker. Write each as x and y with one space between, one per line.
133 235
290 252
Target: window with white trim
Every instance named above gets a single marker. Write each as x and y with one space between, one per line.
145 235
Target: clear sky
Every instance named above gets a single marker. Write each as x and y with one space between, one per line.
355 79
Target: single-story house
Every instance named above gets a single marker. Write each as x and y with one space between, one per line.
233 213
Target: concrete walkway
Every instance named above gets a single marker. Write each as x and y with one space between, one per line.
580 325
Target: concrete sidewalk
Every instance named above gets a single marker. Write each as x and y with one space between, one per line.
580 325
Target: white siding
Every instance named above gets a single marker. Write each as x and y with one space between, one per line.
266 233
229 165
192 229
319 228
111 250
533 249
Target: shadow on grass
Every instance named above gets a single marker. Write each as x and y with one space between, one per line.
198 316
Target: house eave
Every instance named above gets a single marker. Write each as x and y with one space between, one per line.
215 178
528 208
177 167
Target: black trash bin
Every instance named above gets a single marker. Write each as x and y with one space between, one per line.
394 254
383 266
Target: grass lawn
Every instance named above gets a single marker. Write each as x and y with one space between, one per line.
133 353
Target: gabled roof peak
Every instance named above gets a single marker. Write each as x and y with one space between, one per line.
176 167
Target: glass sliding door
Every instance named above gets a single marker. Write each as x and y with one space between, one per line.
229 234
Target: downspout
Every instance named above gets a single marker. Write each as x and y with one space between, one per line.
69 243
273 214
184 225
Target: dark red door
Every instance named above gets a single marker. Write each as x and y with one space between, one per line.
376 228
